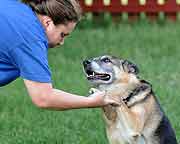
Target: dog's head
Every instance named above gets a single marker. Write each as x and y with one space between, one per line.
105 70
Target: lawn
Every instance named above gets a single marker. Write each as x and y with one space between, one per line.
155 48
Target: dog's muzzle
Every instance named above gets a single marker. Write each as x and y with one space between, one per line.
91 74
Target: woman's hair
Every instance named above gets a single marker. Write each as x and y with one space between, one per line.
60 11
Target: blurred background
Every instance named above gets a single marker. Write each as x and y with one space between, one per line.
146 32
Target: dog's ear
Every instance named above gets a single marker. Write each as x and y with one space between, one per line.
130 67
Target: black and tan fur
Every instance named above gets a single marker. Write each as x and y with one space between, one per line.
138 119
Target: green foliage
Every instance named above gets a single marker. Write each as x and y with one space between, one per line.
153 47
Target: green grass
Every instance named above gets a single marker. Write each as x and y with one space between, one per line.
154 48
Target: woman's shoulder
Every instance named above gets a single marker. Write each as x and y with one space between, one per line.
19 25
21 21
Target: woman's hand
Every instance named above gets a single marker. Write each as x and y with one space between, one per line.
101 99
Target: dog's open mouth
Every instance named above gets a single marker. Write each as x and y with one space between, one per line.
91 75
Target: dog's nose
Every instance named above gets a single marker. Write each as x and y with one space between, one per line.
86 62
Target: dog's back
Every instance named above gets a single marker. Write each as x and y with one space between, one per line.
165 132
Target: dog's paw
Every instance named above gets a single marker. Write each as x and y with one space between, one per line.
93 90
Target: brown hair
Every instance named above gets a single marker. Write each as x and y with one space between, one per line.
60 11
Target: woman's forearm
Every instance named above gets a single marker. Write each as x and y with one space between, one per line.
61 100
43 95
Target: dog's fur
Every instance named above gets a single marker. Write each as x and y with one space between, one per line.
138 119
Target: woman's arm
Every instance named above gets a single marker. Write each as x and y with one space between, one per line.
45 96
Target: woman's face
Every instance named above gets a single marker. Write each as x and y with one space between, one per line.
56 34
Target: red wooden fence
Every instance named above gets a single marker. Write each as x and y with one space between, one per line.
133 7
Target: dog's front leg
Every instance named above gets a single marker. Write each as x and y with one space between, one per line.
133 119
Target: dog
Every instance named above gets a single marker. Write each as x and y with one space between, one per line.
138 118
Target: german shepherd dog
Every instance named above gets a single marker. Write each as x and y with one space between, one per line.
138 117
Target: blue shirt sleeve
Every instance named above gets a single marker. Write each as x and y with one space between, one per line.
32 62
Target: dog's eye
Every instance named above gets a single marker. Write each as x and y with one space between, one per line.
106 60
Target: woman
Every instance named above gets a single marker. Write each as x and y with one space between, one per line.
27 31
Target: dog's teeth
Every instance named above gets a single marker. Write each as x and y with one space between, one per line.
93 74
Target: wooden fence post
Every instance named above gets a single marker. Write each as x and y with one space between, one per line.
134 8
